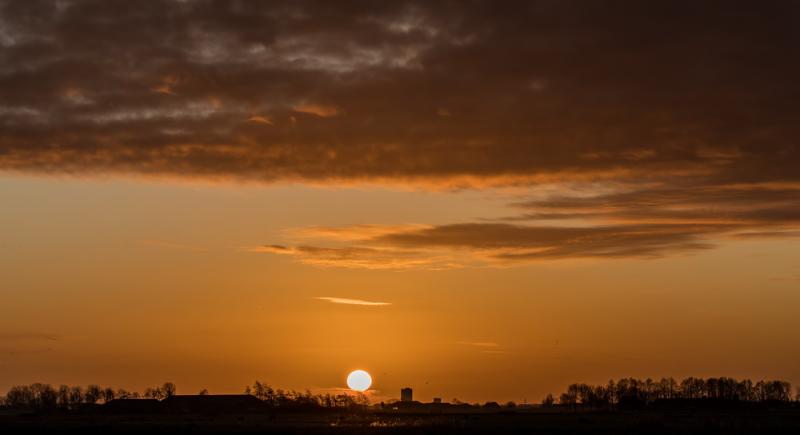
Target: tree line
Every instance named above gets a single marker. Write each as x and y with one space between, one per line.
46 397
40 396
625 392
293 400
635 392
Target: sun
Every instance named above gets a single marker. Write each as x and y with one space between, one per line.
359 380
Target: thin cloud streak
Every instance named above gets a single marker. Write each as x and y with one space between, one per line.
345 301
362 257
29 336
479 343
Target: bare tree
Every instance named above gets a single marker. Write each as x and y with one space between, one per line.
108 395
569 397
63 397
169 389
630 392
154 393
259 390
19 396
92 394
75 396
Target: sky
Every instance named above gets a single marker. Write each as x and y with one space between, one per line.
481 201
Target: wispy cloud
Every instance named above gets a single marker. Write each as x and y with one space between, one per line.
28 336
22 343
346 301
795 277
486 347
479 343
317 109
360 257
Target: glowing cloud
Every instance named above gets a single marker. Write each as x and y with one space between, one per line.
345 301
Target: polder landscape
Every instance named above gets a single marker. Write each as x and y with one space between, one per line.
715 405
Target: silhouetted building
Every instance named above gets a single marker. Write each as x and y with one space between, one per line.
437 400
133 406
407 395
213 403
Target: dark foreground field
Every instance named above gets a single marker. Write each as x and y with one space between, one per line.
785 421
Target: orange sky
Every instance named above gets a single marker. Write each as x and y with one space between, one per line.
128 284
511 197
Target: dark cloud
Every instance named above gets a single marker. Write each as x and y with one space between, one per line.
689 107
504 91
740 205
505 241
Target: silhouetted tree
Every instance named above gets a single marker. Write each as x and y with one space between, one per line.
35 396
569 397
667 388
362 399
19 396
746 391
92 394
548 401
63 401
611 392
692 388
154 393
169 389
108 395
631 393
327 400
259 390
75 396
46 396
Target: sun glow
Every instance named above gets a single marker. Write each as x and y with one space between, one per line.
359 380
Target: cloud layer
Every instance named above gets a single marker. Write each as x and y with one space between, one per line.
483 92
687 108
636 223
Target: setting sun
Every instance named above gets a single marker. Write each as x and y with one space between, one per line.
359 380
